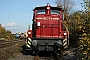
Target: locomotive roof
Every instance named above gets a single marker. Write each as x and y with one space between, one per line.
44 7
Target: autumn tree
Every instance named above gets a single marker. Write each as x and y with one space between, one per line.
86 5
84 37
79 26
1 29
5 33
67 6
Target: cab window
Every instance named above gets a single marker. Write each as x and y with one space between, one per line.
55 12
40 12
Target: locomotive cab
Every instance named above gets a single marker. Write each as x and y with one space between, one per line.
47 33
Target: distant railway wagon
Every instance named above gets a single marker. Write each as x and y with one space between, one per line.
48 33
17 36
20 36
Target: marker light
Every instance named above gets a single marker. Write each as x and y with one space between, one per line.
29 32
65 33
48 7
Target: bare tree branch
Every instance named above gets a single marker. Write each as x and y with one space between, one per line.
67 5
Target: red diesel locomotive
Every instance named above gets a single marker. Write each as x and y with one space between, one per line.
47 32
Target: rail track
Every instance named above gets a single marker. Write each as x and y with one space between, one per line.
5 43
2 41
57 57
67 54
47 56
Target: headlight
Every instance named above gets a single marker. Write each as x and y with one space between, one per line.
65 33
34 42
59 42
48 7
29 32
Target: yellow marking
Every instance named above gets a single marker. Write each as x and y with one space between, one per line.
29 39
28 46
64 43
39 18
64 40
48 18
29 42
65 46
55 18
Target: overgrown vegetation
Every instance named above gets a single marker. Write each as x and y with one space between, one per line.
78 24
5 33
84 32
80 32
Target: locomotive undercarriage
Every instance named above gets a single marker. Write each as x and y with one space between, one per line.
54 45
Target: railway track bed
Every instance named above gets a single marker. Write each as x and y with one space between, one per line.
5 43
11 49
69 54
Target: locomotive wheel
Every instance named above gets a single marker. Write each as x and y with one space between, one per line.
35 51
55 48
